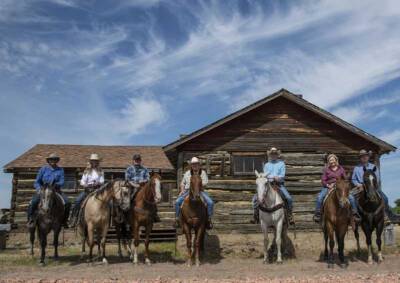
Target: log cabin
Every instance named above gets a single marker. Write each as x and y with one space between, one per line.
230 149
233 147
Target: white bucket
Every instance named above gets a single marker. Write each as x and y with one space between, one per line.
389 235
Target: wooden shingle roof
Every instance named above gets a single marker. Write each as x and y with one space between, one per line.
384 146
76 156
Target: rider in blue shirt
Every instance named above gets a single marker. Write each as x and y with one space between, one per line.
358 179
275 169
47 175
136 175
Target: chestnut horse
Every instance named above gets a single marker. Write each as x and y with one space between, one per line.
371 207
144 206
194 216
336 219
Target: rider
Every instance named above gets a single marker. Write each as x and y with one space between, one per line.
330 175
136 175
358 180
92 179
276 169
50 174
184 191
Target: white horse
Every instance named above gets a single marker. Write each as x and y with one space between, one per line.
271 213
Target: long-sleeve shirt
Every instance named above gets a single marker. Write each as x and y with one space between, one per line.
92 177
275 168
48 175
330 176
186 179
358 174
137 174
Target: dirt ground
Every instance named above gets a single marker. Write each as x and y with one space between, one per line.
228 258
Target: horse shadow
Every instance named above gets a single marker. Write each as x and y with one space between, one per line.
287 248
212 249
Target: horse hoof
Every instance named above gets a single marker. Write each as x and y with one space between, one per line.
343 265
370 262
105 261
189 264
148 262
197 263
42 264
279 262
330 265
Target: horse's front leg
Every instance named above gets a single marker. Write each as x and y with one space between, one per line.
278 241
32 239
264 228
331 237
136 239
55 241
118 231
368 238
103 243
379 231
90 239
357 236
198 238
146 244
188 235
43 244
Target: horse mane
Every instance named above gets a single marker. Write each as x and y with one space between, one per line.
105 187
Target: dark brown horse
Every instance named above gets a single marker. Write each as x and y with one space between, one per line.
336 219
194 217
144 206
50 217
371 207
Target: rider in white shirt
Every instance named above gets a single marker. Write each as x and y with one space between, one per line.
92 179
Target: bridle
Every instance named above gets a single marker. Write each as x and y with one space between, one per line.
268 186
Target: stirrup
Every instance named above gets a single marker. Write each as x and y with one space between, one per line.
177 224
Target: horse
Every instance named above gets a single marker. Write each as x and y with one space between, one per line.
272 213
96 217
50 216
142 213
371 207
121 209
194 217
336 219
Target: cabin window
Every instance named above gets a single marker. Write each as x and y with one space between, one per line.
69 181
245 165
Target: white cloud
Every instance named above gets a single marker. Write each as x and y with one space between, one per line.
392 137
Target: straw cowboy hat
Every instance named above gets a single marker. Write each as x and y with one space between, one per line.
364 152
94 157
53 156
194 160
137 156
274 150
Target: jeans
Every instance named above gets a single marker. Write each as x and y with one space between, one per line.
204 195
322 194
285 193
79 200
33 205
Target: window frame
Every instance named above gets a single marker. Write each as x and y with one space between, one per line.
247 155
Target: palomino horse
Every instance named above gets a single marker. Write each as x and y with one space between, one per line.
194 216
371 207
144 206
272 213
121 209
50 216
96 217
336 219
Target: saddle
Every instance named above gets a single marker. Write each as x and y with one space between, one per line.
201 199
325 198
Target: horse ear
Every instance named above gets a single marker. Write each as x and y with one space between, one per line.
374 169
364 168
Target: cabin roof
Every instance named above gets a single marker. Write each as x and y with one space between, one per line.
384 146
76 156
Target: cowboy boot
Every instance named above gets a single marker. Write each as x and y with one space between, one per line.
290 217
356 216
317 216
66 215
74 217
256 216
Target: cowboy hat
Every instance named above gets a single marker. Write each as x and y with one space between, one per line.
194 160
94 157
53 156
364 152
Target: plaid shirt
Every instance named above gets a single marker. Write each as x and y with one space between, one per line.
137 174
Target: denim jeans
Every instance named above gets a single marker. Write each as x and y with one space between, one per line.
285 193
204 195
79 200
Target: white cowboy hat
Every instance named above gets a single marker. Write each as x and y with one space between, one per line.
94 156
364 152
274 150
53 156
194 160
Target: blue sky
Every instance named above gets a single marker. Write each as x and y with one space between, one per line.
145 71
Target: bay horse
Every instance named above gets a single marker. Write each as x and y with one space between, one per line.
371 207
96 218
142 215
272 213
194 217
50 216
336 219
